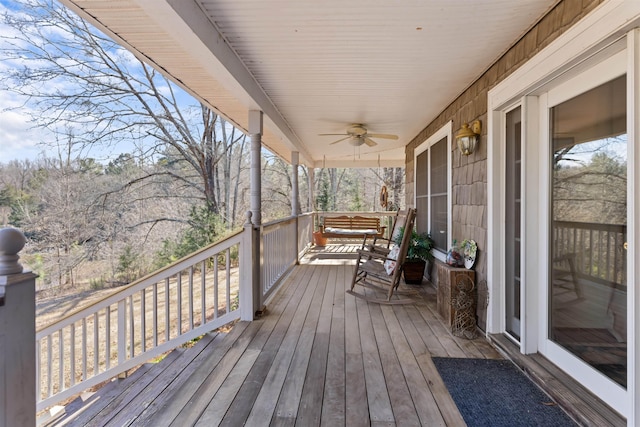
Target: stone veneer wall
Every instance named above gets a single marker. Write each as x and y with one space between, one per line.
469 178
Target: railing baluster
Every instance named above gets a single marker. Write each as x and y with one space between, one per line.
167 303
203 291
215 286
60 361
38 370
107 344
179 303
132 330
143 323
72 354
190 298
96 343
228 274
84 348
155 315
49 365
121 330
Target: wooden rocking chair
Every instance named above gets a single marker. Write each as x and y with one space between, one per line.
370 269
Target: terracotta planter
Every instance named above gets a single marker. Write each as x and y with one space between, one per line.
413 272
318 239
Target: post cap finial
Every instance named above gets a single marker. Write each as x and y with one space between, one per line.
11 242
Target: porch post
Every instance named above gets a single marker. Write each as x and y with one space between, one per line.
295 201
17 335
312 172
255 132
295 191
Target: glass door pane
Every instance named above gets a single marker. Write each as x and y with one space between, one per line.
587 255
512 220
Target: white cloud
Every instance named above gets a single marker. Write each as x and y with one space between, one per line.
18 138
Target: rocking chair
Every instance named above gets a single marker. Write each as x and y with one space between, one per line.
382 271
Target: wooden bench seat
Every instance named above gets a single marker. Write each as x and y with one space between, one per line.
351 226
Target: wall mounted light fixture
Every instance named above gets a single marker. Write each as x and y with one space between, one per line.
468 137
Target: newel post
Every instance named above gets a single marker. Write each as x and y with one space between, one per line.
17 334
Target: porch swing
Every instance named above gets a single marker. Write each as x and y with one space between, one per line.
381 271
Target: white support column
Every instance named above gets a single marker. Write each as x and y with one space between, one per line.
17 335
312 172
295 190
255 132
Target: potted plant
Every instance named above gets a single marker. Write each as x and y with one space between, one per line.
418 254
318 238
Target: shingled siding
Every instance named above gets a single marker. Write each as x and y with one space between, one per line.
469 178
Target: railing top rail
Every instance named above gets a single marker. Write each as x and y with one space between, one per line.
359 213
279 221
142 283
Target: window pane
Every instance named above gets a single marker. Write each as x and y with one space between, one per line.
422 183
439 221
422 214
439 167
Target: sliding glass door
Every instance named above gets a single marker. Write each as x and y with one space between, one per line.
588 228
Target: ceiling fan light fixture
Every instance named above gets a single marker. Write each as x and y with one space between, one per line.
356 141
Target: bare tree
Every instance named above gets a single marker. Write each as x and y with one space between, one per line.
79 79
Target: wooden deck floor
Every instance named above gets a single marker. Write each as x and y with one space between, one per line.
318 356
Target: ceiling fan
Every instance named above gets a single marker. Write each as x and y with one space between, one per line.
357 135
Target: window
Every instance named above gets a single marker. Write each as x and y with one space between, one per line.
432 163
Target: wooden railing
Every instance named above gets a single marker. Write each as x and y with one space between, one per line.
144 320
162 311
305 230
598 249
283 242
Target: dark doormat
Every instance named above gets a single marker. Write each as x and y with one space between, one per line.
496 393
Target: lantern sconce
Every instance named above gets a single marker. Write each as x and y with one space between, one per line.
468 137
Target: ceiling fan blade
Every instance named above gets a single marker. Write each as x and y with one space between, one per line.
340 140
370 142
332 134
382 135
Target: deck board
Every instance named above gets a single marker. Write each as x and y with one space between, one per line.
333 404
309 411
318 356
377 395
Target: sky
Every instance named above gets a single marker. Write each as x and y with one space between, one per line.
18 138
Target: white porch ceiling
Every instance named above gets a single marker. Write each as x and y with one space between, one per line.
318 66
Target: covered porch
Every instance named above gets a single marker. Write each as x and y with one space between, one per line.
250 73
317 356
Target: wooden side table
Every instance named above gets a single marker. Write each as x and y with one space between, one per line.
447 291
